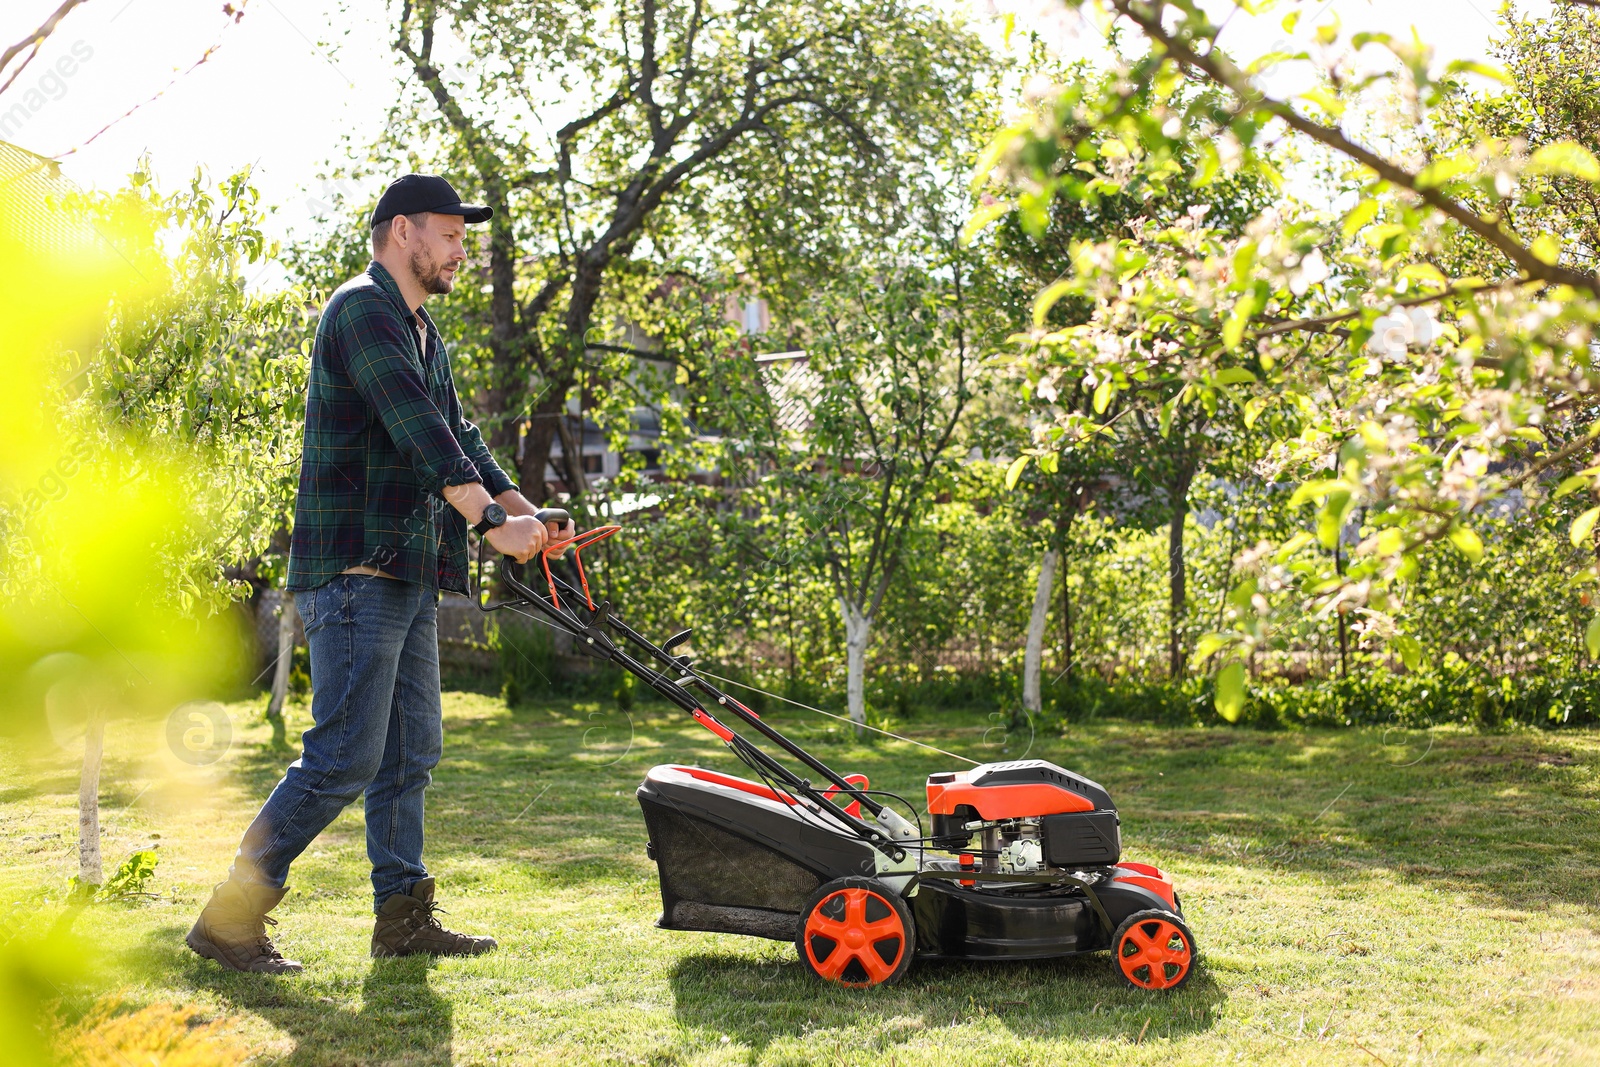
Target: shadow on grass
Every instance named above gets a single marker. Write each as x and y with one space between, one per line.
259 767
1078 997
401 1018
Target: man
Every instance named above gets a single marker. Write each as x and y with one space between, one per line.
391 477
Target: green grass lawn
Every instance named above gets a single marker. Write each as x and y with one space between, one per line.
1357 897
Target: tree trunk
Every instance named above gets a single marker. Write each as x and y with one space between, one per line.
1344 637
572 456
507 369
1177 600
91 872
788 597
281 669
857 627
1035 648
535 461
1066 625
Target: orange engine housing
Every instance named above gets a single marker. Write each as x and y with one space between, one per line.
1017 789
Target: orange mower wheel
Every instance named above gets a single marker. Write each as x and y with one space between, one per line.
1153 950
857 932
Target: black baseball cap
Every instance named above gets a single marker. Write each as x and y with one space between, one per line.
412 194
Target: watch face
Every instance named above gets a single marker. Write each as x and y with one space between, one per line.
494 515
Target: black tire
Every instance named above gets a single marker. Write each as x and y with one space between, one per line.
1154 950
842 907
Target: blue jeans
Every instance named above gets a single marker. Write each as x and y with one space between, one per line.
377 730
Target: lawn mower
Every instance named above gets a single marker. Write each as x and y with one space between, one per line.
1020 860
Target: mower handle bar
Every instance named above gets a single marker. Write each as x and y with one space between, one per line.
673 690
593 636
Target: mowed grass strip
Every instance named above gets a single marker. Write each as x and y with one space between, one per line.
1358 896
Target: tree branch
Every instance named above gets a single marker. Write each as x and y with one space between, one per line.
34 40
1226 74
1322 324
648 69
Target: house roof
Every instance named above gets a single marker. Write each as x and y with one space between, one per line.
28 183
793 386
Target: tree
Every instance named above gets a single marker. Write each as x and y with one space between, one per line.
206 372
895 353
1133 437
679 123
1453 390
186 372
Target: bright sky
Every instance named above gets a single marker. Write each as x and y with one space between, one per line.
294 77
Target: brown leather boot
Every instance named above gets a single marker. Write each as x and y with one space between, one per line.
232 929
406 926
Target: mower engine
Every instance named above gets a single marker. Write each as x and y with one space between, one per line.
1026 816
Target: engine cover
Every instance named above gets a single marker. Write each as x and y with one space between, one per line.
1018 789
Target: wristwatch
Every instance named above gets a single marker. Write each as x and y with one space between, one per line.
493 515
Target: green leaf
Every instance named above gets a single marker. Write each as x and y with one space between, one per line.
1317 487
1207 646
1583 526
1230 691
1571 485
1408 568
1033 210
131 876
1102 395
1169 409
1209 167
1014 471
994 150
1445 169
1253 409
981 218
1410 650
1047 299
1467 542
1565 157
1591 637
1359 216
1483 70
1424 272
1334 514
1324 99
1293 545
1233 329
1546 248
1234 376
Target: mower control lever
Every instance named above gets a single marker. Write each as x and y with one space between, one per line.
676 639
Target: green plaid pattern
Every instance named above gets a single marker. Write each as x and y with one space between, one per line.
384 436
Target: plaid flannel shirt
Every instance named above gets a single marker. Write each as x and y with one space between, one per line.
384 436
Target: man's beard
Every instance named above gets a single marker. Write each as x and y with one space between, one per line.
426 270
